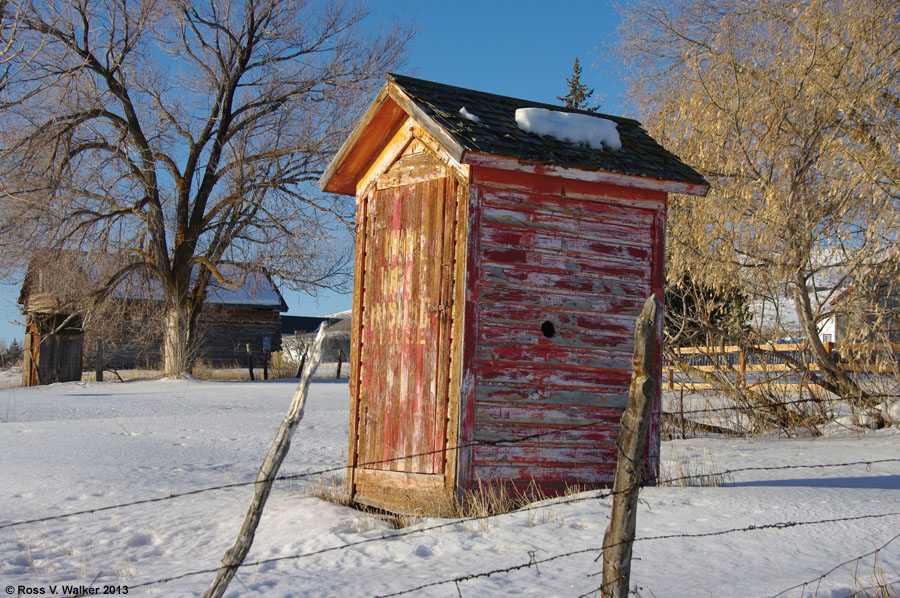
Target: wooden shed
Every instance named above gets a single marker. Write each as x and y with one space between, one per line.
58 287
498 276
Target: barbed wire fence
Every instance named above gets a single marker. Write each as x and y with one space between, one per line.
532 562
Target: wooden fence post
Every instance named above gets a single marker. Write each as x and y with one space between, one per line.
631 443
265 365
266 476
743 363
98 363
250 361
340 360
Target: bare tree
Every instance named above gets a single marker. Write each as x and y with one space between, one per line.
792 110
181 136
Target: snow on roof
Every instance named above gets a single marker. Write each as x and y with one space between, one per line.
468 115
72 275
339 314
577 128
257 291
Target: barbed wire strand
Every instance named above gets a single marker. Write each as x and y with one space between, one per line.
535 562
297 476
403 533
287 477
836 567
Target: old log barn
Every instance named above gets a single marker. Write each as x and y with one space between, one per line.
127 332
502 258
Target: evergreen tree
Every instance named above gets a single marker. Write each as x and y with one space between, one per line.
14 352
579 94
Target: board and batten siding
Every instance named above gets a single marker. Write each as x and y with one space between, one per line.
580 256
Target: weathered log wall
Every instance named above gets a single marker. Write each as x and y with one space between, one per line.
222 335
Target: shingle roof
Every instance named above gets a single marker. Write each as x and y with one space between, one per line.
497 133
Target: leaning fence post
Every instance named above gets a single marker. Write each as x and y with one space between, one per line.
98 365
266 476
631 443
302 364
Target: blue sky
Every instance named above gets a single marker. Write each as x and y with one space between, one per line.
521 48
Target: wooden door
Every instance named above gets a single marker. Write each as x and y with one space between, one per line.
404 366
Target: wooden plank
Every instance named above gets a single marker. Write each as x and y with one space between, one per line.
552 376
446 266
378 124
400 492
534 314
514 415
652 455
546 454
608 223
398 480
546 354
613 398
470 338
543 243
458 313
594 433
527 257
599 475
585 284
356 334
373 335
556 300
608 339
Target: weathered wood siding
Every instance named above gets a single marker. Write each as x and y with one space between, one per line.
50 358
223 334
581 256
402 356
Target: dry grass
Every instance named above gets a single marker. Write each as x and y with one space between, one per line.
874 584
282 367
682 470
481 503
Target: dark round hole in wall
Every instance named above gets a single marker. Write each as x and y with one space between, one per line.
548 329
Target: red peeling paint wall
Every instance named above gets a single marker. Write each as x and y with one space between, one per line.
563 269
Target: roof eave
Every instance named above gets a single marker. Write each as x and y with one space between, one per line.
335 180
330 181
596 176
448 141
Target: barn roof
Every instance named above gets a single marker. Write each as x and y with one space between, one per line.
446 113
58 278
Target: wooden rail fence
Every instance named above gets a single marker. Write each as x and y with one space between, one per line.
738 361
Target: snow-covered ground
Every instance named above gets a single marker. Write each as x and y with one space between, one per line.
80 446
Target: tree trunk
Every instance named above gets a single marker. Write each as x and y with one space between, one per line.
177 351
836 380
